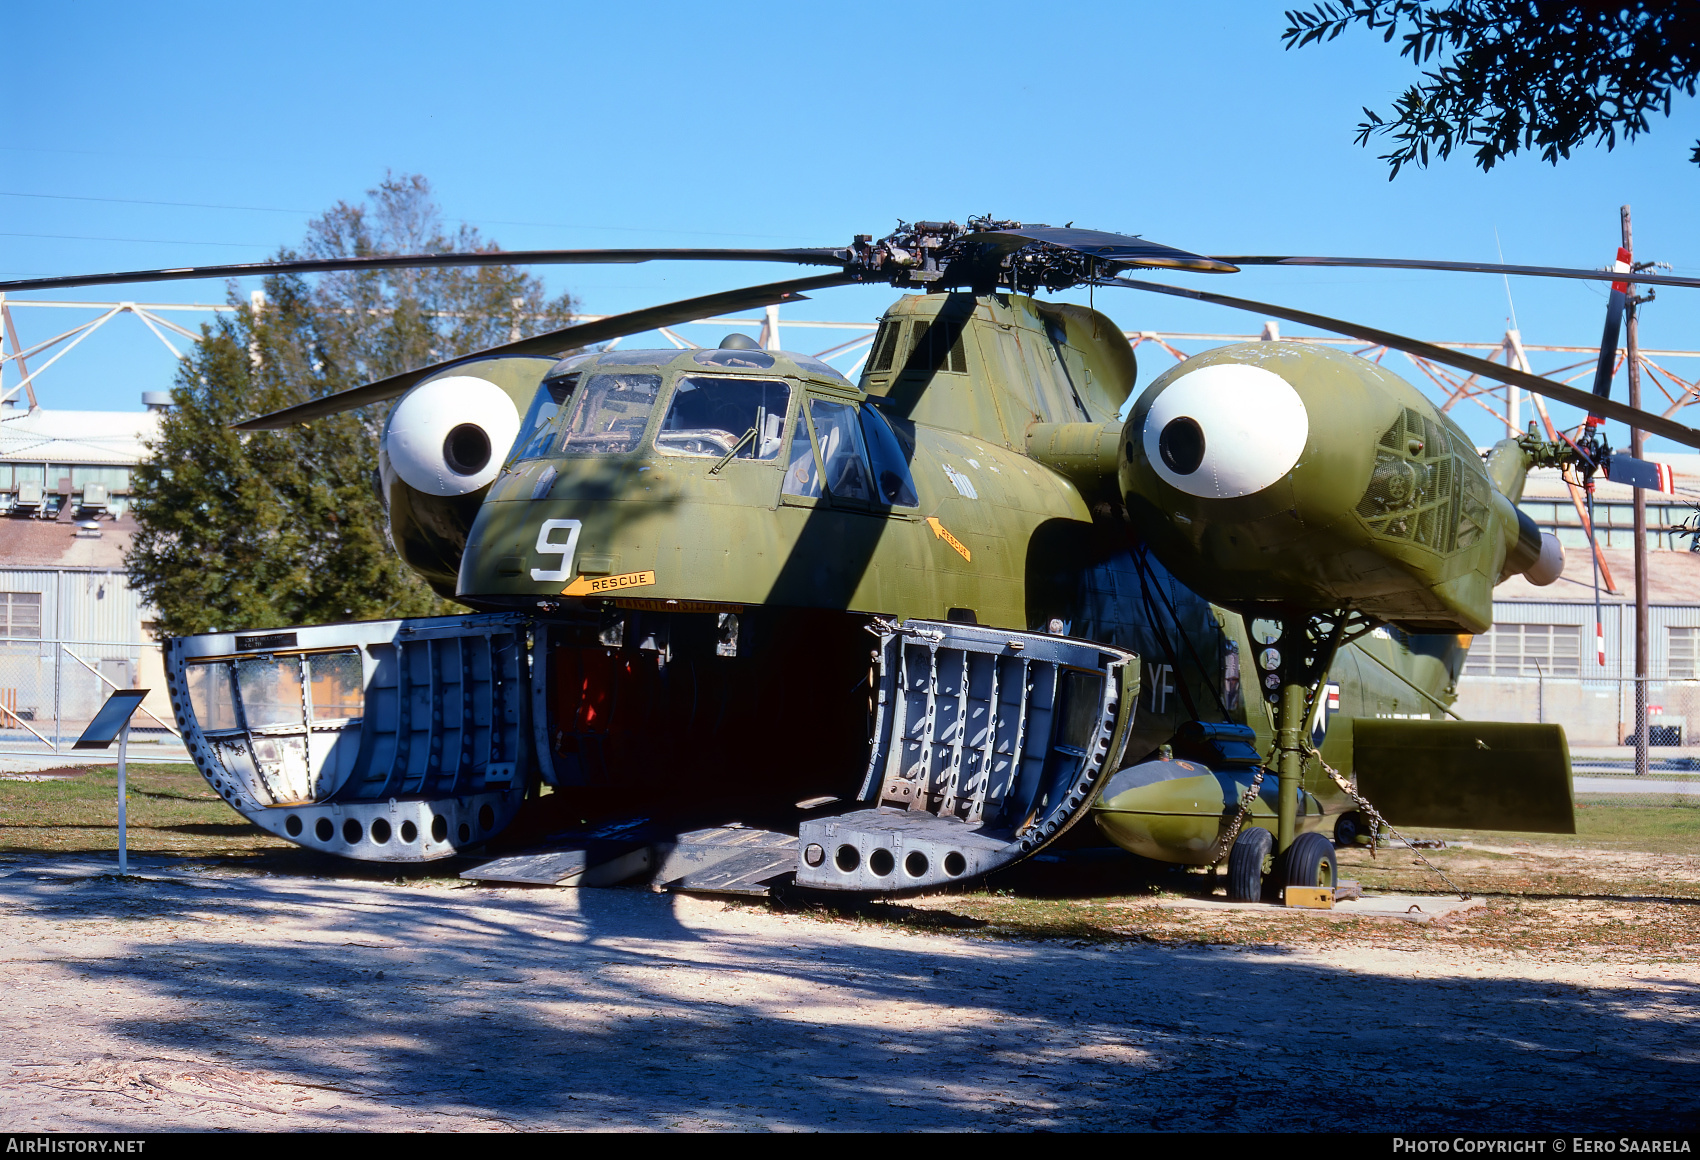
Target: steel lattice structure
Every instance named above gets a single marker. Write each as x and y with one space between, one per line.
851 340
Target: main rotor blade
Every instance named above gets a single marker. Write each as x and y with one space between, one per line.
554 342
800 257
1466 267
1611 409
1120 249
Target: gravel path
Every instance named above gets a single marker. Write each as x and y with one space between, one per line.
200 1001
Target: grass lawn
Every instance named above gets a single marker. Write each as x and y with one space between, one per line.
1627 883
1628 880
172 812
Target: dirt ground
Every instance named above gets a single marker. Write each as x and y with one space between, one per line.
238 985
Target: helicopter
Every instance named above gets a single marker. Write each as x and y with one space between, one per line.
739 621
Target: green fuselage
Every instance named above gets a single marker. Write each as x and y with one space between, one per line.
972 476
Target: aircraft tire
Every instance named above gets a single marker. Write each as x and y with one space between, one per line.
1246 863
1351 829
1310 861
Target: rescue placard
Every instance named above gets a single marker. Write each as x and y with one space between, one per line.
938 531
585 586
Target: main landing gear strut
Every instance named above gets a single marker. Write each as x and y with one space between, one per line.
1296 653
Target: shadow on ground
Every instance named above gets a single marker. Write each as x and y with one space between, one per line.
622 1007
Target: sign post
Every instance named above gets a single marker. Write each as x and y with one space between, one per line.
113 723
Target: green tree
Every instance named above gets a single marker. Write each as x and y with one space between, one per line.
249 530
1511 75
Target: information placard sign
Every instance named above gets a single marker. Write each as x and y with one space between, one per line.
110 721
111 724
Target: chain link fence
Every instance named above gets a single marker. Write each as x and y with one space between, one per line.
1599 720
51 689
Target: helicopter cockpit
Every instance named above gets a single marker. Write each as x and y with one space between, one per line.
723 404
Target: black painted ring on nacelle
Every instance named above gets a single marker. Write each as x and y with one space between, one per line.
466 449
1181 445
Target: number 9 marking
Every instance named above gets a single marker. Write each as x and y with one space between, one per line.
564 551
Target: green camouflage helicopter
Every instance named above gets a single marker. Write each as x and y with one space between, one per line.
741 621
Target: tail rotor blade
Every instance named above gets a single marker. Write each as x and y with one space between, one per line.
1608 341
1578 498
1641 473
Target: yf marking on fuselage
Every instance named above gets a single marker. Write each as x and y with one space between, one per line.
1161 683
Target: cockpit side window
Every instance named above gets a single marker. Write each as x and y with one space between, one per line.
844 458
802 477
717 415
537 429
611 413
891 474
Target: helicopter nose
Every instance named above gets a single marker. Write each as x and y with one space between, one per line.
1225 431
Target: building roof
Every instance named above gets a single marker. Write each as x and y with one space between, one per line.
1672 578
29 543
108 438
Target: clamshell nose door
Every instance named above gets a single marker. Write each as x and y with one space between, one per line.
388 741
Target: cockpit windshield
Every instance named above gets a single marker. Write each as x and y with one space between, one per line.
720 415
611 413
537 429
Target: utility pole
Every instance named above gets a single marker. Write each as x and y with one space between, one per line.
1632 362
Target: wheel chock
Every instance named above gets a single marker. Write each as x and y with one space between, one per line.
1311 897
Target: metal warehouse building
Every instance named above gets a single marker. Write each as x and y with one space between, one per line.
1541 663
71 628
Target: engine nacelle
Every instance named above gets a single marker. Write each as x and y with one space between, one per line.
444 443
1278 478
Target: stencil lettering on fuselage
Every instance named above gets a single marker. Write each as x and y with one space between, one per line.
1162 685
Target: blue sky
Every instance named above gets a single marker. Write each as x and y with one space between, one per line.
787 124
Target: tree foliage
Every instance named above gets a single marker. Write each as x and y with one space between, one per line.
249 530
1511 75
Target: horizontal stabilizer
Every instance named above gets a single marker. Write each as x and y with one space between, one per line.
1641 473
1475 775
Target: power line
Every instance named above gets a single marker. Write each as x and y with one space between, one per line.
279 209
142 201
155 241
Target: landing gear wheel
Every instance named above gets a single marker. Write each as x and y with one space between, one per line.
1310 862
1351 830
1248 861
